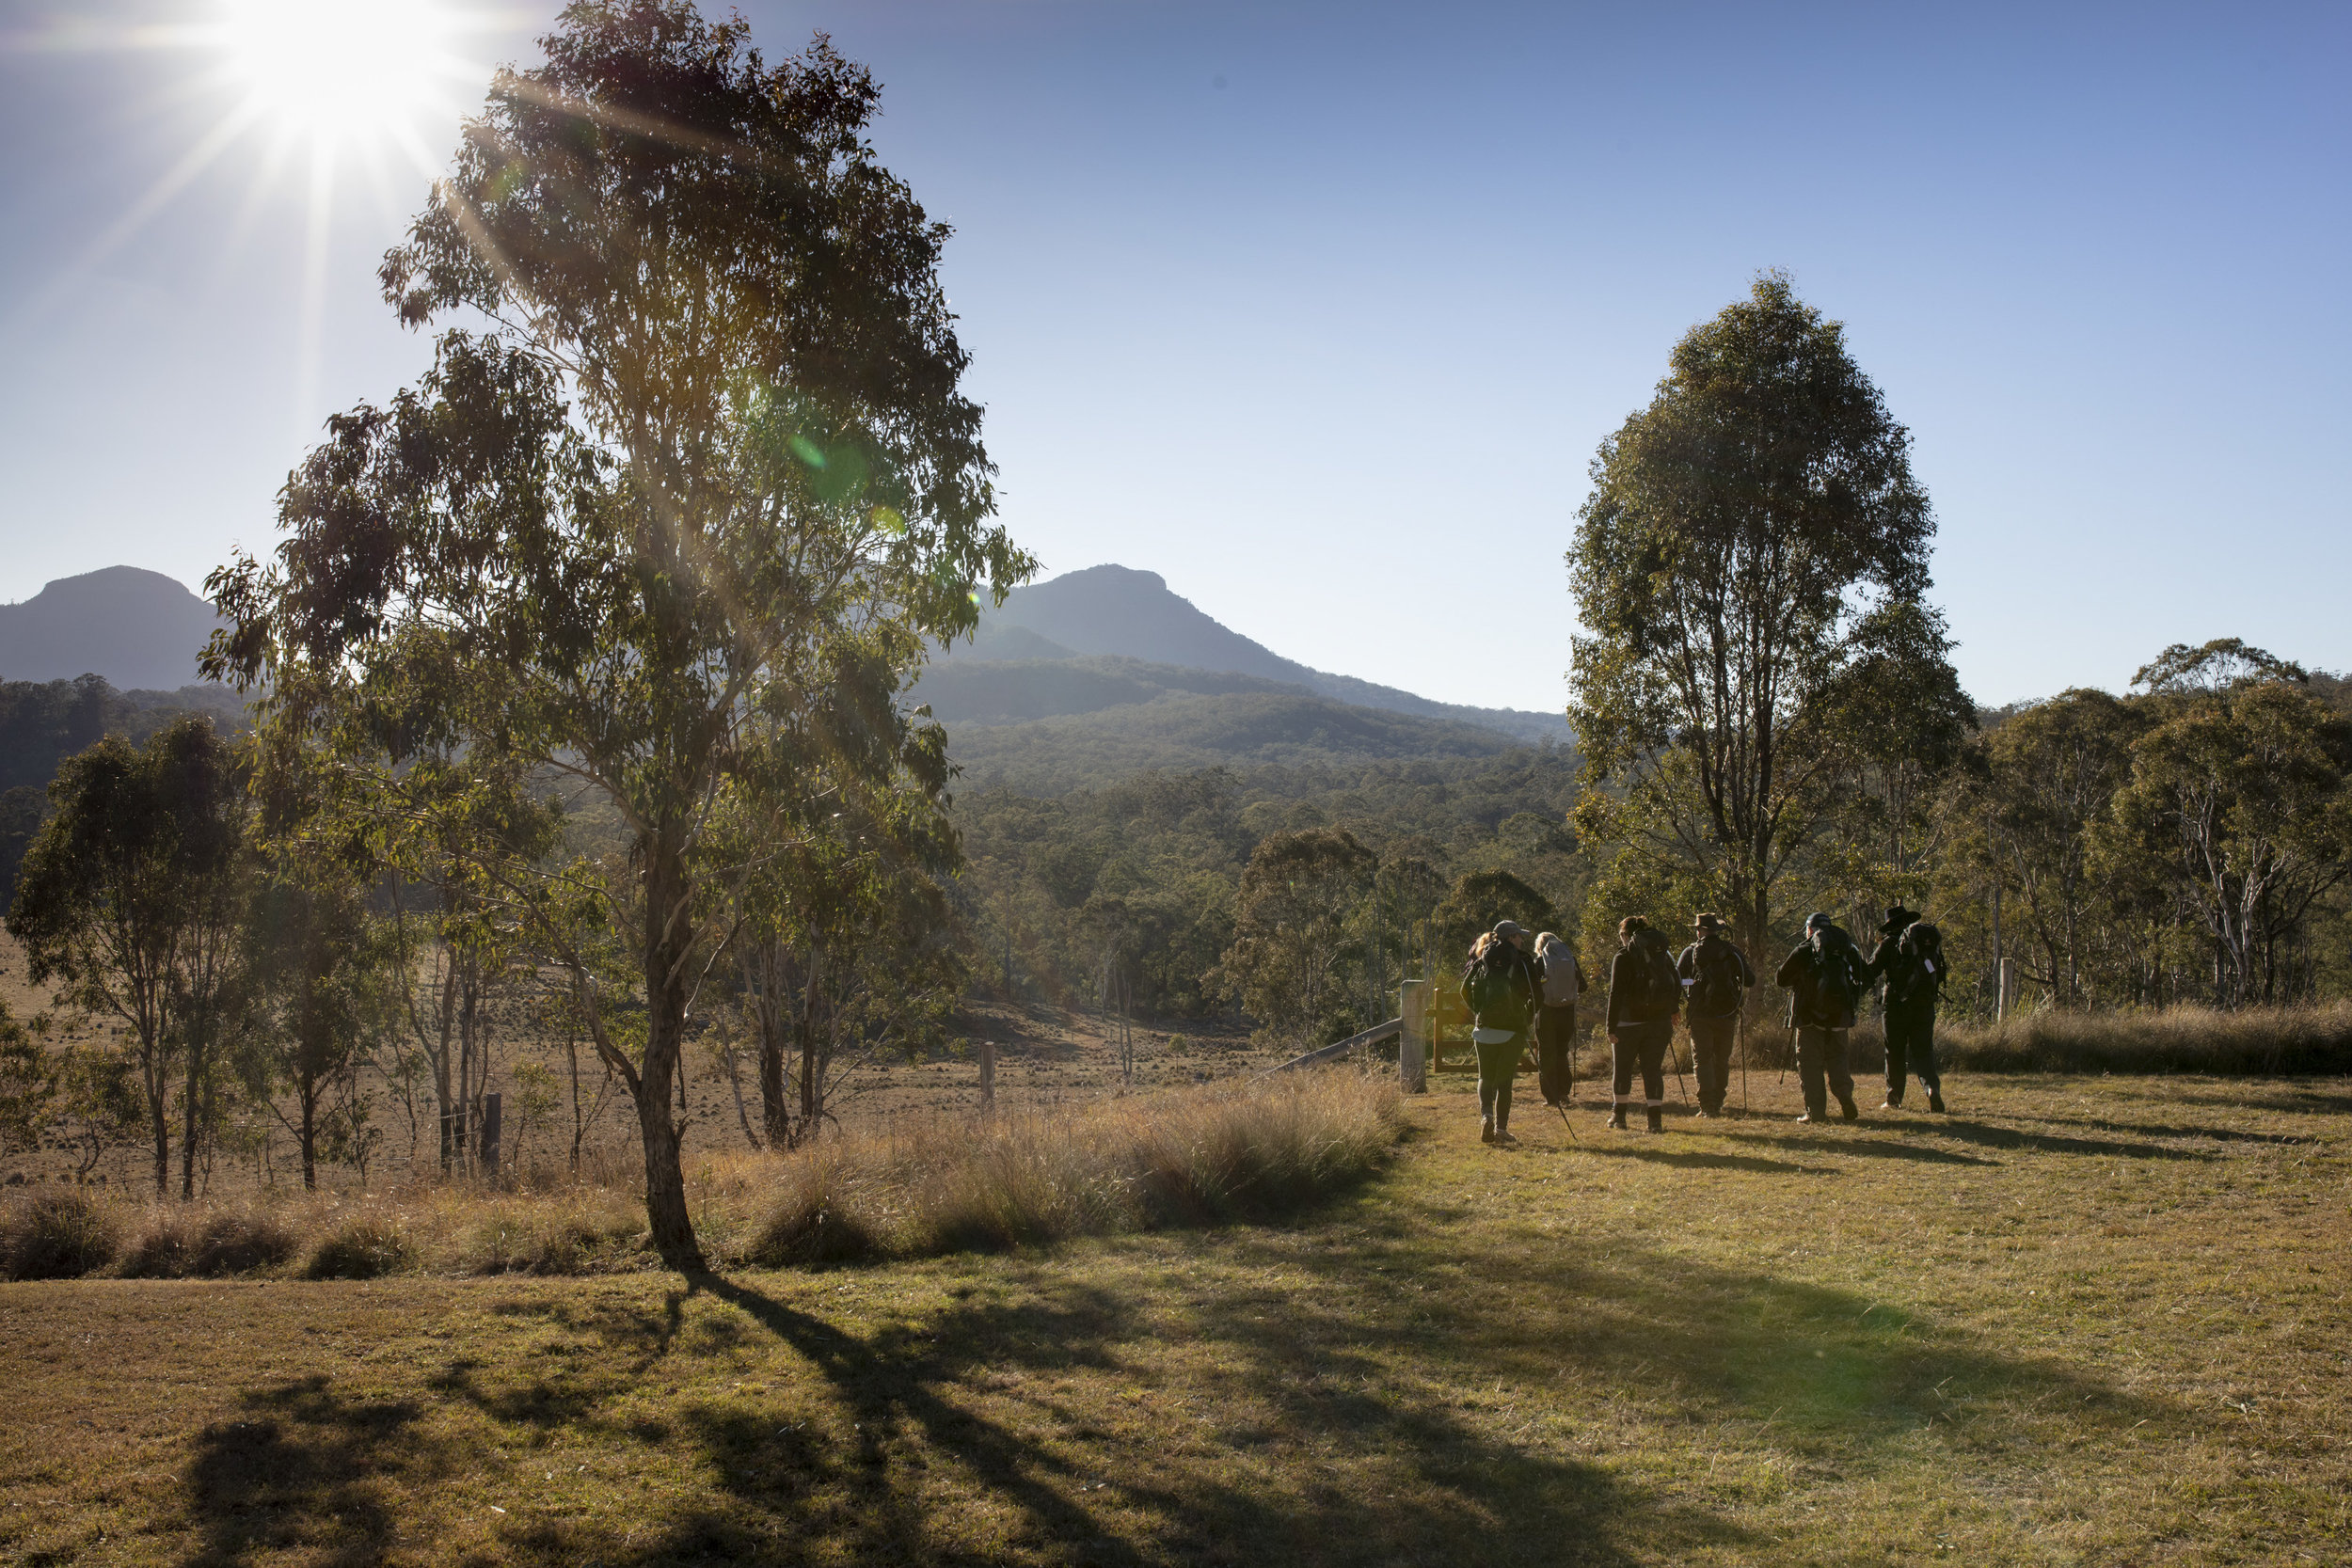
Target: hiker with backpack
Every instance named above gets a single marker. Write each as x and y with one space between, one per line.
1502 986
1826 979
1555 1022
1715 979
1910 958
1645 994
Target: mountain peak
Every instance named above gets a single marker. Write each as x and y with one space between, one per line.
1122 612
140 629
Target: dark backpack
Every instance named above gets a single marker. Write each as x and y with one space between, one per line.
1923 942
1499 989
1841 967
1720 978
1657 988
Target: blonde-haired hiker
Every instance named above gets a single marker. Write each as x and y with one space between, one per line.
1555 1020
1645 994
1501 985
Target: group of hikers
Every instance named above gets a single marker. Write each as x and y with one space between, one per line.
1517 985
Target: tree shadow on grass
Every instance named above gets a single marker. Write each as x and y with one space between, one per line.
2164 1130
1699 1159
1864 1147
1083 1495
307 1470
1992 1135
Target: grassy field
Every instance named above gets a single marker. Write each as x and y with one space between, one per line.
2097 1321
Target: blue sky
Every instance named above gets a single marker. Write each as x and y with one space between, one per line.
1320 311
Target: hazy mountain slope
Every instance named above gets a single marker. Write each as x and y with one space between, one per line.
1119 611
1180 733
136 629
1000 691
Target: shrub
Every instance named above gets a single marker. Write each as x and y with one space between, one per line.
57 1235
362 1247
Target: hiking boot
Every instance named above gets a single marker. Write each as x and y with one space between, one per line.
1485 1130
1935 1101
1811 1115
1891 1102
1710 1112
1617 1118
1503 1135
1657 1120
1847 1108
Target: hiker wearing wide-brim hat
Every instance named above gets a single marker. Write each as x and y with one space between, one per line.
1715 980
1910 958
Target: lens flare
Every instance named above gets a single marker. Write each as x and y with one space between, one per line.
340 68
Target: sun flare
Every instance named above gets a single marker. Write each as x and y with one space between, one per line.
346 69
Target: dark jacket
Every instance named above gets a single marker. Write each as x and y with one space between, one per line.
1718 955
1811 974
1910 985
1523 989
1625 1005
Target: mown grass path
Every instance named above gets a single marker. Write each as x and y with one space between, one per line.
2081 1321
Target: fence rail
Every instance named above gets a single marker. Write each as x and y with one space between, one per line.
1373 1036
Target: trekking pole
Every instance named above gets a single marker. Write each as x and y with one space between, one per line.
1677 1062
1565 1121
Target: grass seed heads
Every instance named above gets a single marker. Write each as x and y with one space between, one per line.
57 1235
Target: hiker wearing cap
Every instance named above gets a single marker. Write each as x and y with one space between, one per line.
1715 979
1825 979
1501 987
1555 1020
1644 995
1910 958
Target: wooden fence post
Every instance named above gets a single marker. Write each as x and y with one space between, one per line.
1412 1054
492 1120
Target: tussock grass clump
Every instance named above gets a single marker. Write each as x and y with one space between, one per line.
179 1244
1189 1157
57 1235
576 1231
2252 1042
363 1246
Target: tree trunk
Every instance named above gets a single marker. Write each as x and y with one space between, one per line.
669 935
190 1116
775 1113
309 1093
161 1123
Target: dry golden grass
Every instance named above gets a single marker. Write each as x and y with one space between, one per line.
915 1185
2079 1321
2254 1041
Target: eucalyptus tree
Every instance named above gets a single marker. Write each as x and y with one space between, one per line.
688 504
133 894
1296 913
2242 787
844 942
1753 538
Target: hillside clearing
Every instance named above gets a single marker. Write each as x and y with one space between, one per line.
2092 1321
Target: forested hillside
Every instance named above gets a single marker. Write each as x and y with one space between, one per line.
43 722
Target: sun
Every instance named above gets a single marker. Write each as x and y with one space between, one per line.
338 70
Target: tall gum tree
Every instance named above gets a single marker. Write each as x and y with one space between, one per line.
684 514
1752 539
